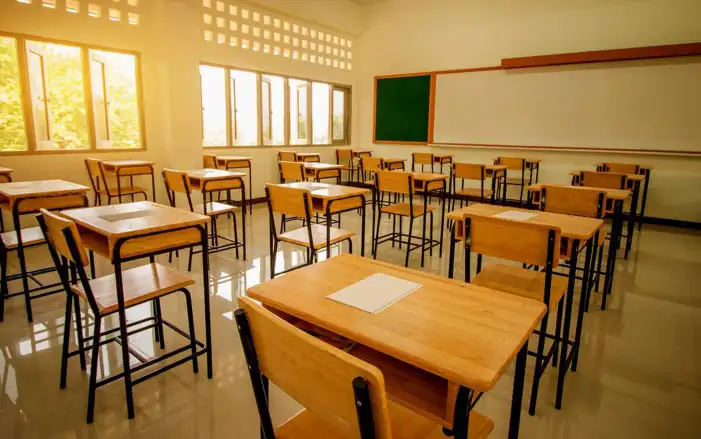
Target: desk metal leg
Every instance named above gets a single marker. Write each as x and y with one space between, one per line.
362 230
153 184
586 286
207 312
250 190
641 218
443 198
565 340
614 243
451 251
517 393
631 219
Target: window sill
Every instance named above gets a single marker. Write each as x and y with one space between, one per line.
326 145
70 151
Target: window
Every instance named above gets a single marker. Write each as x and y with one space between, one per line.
76 98
338 118
244 108
213 106
321 96
12 129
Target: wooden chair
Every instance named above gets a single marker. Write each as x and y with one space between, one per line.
344 397
177 182
292 171
578 201
607 180
344 157
297 203
371 165
513 164
287 156
528 243
470 171
209 161
620 168
399 186
423 159
146 283
100 186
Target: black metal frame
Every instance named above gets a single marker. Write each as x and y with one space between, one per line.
250 181
97 200
524 165
215 247
464 198
24 274
72 301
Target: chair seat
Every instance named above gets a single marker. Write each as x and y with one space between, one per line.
141 284
30 236
215 208
474 192
405 424
125 190
406 209
521 282
301 236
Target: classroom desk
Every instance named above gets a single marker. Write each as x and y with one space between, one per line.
444 338
238 162
213 180
443 159
633 184
394 163
645 172
426 183
494 172
25 198
6 175
332 199
309 157
320 171
580 232
125 232
130 168
531 164
617 196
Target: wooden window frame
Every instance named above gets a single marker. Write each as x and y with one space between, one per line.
23 65
288 117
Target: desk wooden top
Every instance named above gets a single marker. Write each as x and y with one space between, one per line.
461 332
395 160
631 177
25 189
614 194
208 174
328 191
572 227
116 164
231 158
6 171
428 176
642 168
322 166
133 219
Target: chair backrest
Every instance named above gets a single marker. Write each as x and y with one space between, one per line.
395 181
177 181
209 161
320 377
512 163
372 163
469 171
622 168
292 171
54 227
289 201
570 200
422 158
513 240
608 180
95 173
287 156
344 156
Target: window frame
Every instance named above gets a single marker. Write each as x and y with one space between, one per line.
288 118
26 97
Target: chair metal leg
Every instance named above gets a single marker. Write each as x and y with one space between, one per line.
3 282
236 235
159 327
408 245
558 332
93 369
540 365
189 261
79 332
66 340
191 324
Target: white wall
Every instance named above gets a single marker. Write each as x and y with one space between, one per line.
403 36
170 42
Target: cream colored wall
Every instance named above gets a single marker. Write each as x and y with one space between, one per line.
402 36
169 41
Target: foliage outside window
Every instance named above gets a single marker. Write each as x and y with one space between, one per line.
60 97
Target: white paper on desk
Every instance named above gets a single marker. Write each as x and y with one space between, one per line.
516 215
375 293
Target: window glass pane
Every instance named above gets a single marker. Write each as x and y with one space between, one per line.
339 121
266 111
298 112
320 113
56 82
115 99
244 102
276 110
13 136
213 106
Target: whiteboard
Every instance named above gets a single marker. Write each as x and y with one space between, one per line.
632 105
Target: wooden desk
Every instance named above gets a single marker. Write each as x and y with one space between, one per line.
443 159
26 198
448 334
6 175
331 199
130 168
645 172
130 231
309 157
323 170
427 183
576 230
393 164
239 162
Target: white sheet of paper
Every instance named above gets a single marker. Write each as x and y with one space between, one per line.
375 293
516 215
126 215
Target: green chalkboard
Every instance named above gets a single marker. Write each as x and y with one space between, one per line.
402 109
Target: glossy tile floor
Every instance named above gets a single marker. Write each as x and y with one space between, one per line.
639 375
